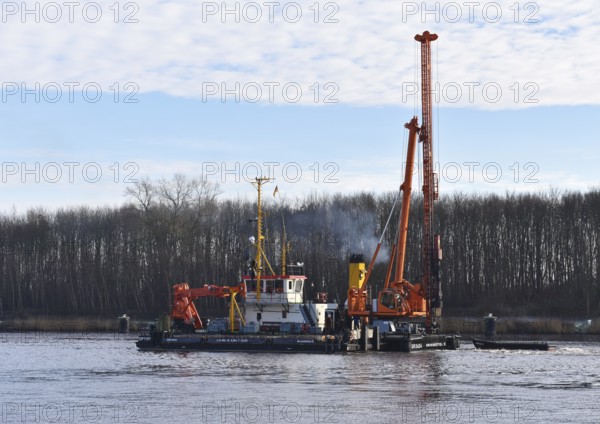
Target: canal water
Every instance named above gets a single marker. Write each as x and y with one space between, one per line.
103 378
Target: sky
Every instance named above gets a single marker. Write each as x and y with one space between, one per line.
98 95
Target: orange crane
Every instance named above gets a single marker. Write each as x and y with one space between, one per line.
184 312
400 298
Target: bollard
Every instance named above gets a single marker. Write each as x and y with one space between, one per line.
489 327
123 324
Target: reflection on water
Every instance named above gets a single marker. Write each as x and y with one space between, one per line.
103 378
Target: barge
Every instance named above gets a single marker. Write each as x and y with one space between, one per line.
510 345
289 343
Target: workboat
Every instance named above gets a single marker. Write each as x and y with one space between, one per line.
488 341
272 317
510 345
267 312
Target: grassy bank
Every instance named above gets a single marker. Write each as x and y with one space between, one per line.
516 326
467 326
67 324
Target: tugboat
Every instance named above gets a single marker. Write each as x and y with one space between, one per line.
267 313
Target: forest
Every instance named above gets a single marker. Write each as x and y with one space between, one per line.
531 254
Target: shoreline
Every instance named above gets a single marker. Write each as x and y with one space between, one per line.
517 326
466 326
68 324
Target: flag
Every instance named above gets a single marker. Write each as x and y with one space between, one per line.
275 191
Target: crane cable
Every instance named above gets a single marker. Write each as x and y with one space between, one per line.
415 79
389 217
404 148
416 102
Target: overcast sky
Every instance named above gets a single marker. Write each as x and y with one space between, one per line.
314 94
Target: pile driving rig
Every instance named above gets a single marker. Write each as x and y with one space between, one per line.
400 300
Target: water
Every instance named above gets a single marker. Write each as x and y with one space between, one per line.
103 378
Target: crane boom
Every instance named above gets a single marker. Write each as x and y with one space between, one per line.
184 311
406 187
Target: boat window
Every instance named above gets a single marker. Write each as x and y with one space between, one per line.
269 286
258 316
290 283
251 285
298 287
278 286
388 300
284 314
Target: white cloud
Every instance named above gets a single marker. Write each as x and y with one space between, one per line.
368 54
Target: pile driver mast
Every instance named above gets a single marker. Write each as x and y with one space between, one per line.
431 244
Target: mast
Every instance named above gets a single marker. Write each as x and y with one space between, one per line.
284 247
259 236
430 255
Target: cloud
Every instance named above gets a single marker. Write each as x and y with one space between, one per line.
367 57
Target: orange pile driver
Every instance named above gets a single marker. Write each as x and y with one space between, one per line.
400 298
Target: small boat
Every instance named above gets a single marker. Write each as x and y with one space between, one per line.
510 345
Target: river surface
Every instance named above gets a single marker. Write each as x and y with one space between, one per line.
103 378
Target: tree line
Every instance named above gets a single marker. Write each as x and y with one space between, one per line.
518 253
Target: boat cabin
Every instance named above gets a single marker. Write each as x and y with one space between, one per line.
276 289
281 306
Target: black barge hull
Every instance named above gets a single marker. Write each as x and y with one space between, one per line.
240 343
410 342
508 345
402 342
